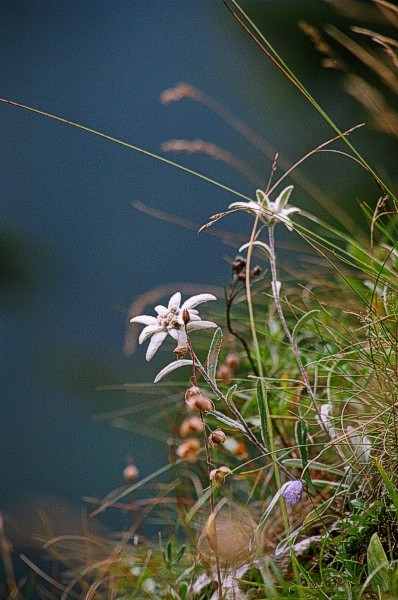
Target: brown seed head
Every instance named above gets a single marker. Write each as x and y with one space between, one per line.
217 476
130 473
191 425
192 391
217 437
188 450
225 374
236 448
232 360
180 351
256 271
197 401
238 264
203 403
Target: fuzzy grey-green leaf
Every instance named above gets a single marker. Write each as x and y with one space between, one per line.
301 432
226 420
176 364
302 321
378 568
212 357
262 411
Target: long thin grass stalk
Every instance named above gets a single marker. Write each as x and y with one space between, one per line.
209 469
289 335
259 38
124 144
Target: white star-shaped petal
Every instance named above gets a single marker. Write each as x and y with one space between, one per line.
170 321
270 212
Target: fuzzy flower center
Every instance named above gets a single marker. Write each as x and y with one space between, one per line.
170 320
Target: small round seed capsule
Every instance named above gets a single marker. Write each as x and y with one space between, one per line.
217 476
130 473
217 437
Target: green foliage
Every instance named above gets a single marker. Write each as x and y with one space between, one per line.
212 358
378 567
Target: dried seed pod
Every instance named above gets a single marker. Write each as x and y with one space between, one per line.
217 476
232 360
225 374
238 264
130 473
191 425
192 391
186 317
188 450
256 271
197 401
217 437
191 395
204 403
180 351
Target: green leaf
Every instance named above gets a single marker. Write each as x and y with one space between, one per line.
301 432
314 464
229 398
262 245
180 554
387 482
284 196
286 542
262 411
268 511
212 357
315 516
303 320
169 552
183 590
176 364
378 568
230 393
324 483
226 420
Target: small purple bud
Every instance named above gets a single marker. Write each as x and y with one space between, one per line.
292 491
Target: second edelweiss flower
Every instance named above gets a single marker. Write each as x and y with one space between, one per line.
170 321
269 212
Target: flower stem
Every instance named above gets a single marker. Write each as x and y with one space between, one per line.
237 414
289 335
277 466
209 467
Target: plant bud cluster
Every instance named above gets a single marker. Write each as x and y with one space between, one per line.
239 269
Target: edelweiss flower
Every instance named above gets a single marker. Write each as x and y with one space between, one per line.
270 212
170 320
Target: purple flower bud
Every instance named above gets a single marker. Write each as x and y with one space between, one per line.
292 491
